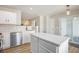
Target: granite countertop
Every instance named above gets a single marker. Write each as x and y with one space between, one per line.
57 39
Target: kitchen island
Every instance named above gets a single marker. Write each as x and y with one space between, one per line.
49 43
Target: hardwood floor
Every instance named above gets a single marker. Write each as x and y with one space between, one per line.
26 48
73 48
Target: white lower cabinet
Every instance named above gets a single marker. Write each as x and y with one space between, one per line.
35 44
6 40
42 49
50 47
40 45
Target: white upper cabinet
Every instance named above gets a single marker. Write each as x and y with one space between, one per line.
7 17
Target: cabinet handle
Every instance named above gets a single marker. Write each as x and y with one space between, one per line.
7 20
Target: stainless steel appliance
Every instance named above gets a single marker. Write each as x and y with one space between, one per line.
15 39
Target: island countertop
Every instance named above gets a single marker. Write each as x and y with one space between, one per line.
57 39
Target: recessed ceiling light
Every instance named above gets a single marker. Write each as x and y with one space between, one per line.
30 8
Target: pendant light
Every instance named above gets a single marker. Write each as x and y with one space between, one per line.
68 9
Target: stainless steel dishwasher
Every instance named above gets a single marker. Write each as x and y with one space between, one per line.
15 39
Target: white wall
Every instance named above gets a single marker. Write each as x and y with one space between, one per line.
63 26
7 28
41 24
51 26
45 24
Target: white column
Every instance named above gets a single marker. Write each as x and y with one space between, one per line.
41 24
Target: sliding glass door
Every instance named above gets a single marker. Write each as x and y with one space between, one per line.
69 26
76 29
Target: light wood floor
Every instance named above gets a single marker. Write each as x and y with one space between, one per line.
26 48
73 48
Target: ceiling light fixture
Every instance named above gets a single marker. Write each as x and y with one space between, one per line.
68 9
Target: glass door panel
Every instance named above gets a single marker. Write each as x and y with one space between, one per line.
70 27
75 29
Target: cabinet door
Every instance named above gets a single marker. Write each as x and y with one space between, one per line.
2 17
11 18
6 40
7 17
34 44
26 37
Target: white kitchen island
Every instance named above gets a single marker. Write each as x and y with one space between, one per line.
49 43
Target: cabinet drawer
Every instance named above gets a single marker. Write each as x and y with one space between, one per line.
48 45
42 50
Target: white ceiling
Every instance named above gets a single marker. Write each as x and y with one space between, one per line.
38 9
